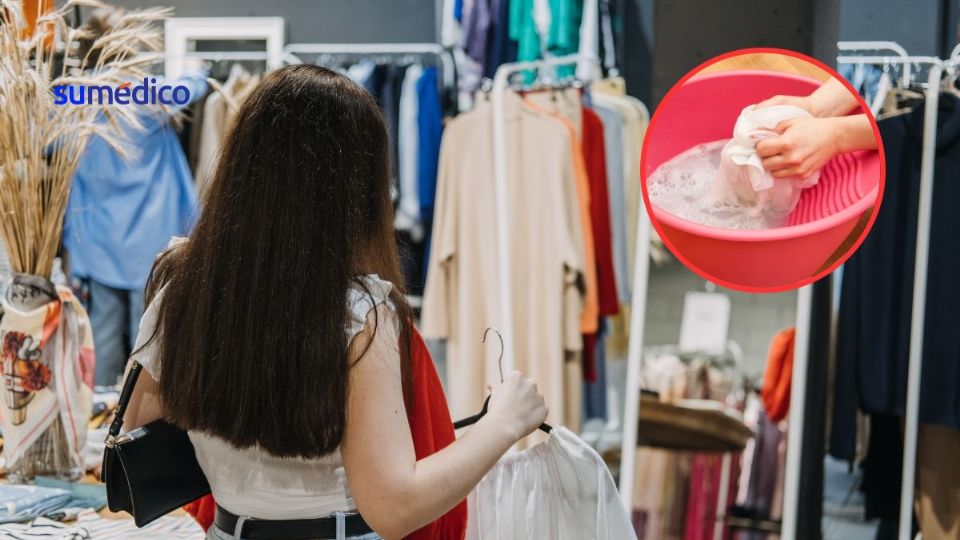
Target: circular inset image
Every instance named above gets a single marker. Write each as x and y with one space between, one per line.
762 170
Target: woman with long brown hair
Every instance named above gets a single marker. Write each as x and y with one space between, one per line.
278 335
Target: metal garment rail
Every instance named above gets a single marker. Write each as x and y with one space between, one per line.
928 154
236 56
292 50
893 46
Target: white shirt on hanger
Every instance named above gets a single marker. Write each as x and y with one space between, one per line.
408 212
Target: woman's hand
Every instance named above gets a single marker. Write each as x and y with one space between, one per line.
832 98
802 147
517 405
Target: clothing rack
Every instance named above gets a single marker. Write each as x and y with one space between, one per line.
640 273
292 53
500 82
915 363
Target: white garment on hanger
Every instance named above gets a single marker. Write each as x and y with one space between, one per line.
559 489
606 25
742 178
408 212
449 28
883 88
542 17
589 41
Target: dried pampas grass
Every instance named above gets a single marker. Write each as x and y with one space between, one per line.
41 143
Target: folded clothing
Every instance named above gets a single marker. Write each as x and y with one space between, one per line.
24 503
82 497
51 498
89 525
742 180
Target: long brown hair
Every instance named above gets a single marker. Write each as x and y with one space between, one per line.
252 320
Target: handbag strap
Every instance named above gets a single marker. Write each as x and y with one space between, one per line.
125 394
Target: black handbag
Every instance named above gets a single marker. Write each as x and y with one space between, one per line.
151 470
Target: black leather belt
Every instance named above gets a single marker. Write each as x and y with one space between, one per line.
290 529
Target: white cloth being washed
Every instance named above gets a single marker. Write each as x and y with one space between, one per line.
742 178
559 489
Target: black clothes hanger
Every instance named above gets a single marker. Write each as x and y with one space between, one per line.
470 420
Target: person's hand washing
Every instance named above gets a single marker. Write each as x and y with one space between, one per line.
804 145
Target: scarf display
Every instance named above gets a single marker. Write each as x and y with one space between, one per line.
47 369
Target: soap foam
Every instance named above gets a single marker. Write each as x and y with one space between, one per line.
681 186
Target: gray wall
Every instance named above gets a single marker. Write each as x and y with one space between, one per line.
915 24
754 318
663 39
328 21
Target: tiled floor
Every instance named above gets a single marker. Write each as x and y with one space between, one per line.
843 504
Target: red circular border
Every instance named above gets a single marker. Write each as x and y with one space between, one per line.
736 286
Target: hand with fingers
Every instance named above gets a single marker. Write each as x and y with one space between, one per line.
803 146
517 404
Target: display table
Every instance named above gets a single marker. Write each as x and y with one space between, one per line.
690 425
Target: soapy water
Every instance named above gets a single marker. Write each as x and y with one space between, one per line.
682 187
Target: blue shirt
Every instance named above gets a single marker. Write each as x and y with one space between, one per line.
430 130
122 212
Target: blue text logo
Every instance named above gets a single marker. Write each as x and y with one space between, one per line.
144 93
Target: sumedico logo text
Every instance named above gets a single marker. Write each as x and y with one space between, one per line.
145 92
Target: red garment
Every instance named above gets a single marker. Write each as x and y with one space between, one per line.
594 153
432 430
701 510
775 393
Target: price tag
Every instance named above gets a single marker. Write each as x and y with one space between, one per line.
705 323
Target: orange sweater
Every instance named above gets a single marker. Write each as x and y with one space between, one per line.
777 375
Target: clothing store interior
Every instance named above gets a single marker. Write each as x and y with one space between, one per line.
516 128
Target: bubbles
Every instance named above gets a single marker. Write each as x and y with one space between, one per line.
681 186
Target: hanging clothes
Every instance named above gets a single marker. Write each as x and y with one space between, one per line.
559 489
429 131
121 211
501 48
546 254
671 487
635 118
523 30
218 112
566 108
595 389
407 216
563 37
614 161
594 152
608 99
476 24
589 40
778 374
873 336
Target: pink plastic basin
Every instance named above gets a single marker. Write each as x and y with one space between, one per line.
705 109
